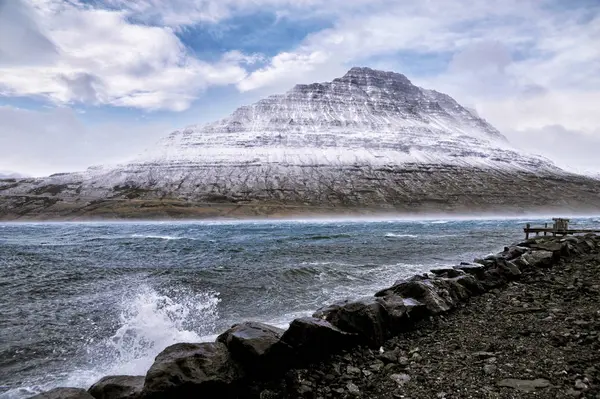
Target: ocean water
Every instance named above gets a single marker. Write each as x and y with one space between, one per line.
82 300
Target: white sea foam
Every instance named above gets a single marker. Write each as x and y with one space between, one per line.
148 323
394 235
156 237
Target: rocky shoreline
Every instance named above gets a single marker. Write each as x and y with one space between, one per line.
521 323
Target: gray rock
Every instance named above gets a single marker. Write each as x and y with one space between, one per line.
536 258
312 338
447 272
256 345
353 389
472 285
117 387
377 366
268 394
367 318
513 252
389 356
436 298
490 369
400 379
524 385
185 370
64 393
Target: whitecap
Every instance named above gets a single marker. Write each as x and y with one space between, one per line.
157 237
401 235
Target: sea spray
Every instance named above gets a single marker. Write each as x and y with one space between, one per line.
149 321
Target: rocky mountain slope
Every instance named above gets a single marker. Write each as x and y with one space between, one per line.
369 141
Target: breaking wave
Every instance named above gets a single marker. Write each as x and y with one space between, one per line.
148 323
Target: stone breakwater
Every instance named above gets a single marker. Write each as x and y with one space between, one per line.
374 347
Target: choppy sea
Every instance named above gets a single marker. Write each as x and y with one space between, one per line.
82 300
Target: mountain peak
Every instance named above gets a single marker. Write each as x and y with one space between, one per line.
375 74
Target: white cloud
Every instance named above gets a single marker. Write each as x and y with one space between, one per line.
181 13
102 58
40 143
570 149
21 40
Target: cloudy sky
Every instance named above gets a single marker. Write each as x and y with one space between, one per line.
84 82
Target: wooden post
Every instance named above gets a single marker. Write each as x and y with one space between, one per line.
545 227
527 231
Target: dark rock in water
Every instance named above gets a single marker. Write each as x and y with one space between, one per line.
256 346
118 387
64 393
313 338
366 317
193 370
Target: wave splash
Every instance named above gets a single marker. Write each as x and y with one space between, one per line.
151 322
148 323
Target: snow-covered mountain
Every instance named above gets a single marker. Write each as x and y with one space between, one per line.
369 139
365 117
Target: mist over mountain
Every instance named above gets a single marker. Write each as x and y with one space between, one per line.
7 174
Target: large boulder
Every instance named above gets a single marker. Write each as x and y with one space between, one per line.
256 346
492 278
193 370
496 274
512 252
470 283
471 268
509 269
546 245
449 272
437 299
536 258
367 318
64 393
312 338
118 387
402 313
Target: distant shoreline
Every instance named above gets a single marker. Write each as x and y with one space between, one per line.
176 210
